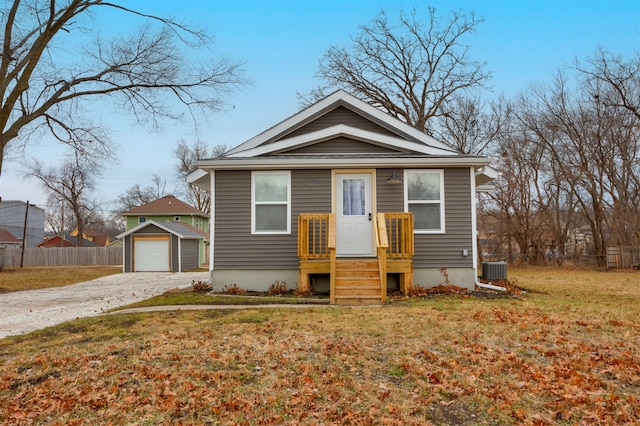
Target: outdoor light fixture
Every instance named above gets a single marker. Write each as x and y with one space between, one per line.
394 178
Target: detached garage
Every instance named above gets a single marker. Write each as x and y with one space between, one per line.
161 247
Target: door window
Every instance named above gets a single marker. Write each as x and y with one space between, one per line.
353 197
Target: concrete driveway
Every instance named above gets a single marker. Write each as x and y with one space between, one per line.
26 311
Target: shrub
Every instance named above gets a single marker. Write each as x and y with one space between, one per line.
302 293
278 287
233 289
200 286
417 291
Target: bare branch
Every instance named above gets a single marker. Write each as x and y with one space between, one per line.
409 70
46 75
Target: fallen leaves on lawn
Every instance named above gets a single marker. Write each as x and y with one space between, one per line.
463 361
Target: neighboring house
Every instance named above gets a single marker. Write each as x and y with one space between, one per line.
162 246
12 218
170 209
8 240
99 238
67 241
342 192
118 243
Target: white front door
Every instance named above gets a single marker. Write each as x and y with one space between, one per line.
354 214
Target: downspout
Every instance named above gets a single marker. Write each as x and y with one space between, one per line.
212 222
474 232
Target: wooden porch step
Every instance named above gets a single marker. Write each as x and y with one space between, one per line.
364 291
357 282
358 300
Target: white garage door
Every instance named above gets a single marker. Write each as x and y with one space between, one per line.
151 254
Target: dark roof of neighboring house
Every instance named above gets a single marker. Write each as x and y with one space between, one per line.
86 242
167 205
8 237
180 229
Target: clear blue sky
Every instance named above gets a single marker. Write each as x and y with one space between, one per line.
522 41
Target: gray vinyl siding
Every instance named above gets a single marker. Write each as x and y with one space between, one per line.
342 146
174 252
389 198
340 115
236 247
189 253
127 254
437 250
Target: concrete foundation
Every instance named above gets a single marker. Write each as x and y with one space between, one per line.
260 280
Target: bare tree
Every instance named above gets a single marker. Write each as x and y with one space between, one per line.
57 215
48 72
187 155
621 76
469 125
137 195
409 70
71 183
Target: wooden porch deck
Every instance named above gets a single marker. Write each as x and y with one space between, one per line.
356 281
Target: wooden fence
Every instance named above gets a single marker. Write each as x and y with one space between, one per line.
61 256
623 257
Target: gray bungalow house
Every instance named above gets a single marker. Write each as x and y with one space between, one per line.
343 197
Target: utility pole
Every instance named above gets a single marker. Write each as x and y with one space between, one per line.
24 234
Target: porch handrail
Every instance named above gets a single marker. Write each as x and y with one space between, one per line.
382 244
316 235
399 228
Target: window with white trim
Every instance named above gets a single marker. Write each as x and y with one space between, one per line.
142 219
424 197
271 202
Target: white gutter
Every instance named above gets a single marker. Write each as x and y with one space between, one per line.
257 163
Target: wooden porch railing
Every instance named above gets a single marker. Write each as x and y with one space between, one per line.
316 235
382 244
316 245
394 248
400 235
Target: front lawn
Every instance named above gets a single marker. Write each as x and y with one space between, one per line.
37 277
567 352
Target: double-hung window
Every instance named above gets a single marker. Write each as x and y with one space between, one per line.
424 197
271 202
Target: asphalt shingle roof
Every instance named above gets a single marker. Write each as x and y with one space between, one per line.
167 205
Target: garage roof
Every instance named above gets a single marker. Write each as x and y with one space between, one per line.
179 229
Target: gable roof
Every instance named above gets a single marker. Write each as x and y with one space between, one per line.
55 241
68 241
342 130
8 237
182 230
296 143
167 205
333 101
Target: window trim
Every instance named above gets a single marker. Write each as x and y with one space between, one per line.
441 201
142 219
287 173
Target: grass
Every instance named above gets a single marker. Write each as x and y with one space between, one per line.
33 278
194 298
567 352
